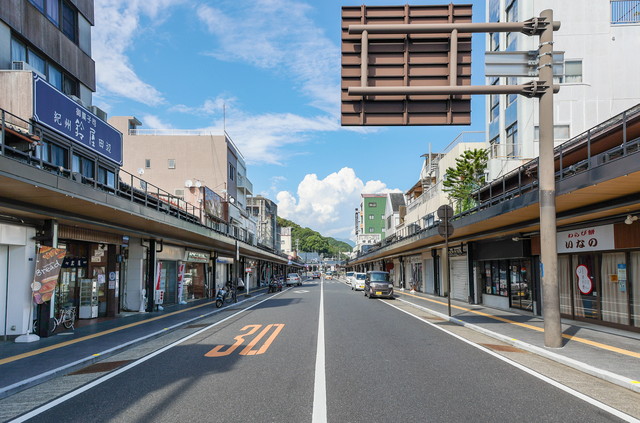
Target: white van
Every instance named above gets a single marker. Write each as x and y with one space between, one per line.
357 281
349 276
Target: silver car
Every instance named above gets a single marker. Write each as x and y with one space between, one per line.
378 284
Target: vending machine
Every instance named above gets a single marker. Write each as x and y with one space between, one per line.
88 299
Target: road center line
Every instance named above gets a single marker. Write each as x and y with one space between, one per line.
320 385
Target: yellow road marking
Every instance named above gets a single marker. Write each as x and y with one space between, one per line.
95 335
524 325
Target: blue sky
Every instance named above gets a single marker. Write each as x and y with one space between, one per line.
275 66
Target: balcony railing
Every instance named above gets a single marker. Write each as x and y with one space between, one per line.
625 12
585 152
18 141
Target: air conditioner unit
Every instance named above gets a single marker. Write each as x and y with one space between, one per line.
20 65
99 112
77 100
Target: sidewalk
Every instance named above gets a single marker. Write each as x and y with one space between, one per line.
608 353
23 365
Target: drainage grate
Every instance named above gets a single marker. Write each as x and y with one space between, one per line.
106 366
506 348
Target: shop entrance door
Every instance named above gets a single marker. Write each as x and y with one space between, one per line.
521 289
586 286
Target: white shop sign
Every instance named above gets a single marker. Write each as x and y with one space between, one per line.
593 238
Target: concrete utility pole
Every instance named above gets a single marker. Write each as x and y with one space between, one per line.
547 195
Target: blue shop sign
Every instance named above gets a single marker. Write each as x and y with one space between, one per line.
63 115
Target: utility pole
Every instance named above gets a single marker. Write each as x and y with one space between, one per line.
547 194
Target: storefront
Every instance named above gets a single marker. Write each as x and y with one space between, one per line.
17 263
194 277
503 274
90 274
414 273
167 262
598 274
459 273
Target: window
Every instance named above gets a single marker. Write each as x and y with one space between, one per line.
171 163
512 16
69 24
18 51
53 11
495 41
625 11
511 97
106 177
55 77
53 154
494 104
560 132
147 163
69 85
371 217
573 71
82 165
370 230
512 139
37 62
232 172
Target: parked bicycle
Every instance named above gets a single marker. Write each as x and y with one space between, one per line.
67 317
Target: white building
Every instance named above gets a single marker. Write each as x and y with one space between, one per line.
600 40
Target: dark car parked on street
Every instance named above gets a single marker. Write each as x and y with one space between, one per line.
378 284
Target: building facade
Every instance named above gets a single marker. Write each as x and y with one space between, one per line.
593 40
265 213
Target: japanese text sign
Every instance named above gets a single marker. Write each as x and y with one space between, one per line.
63 115
595 238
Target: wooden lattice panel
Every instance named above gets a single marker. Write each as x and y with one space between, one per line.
407 60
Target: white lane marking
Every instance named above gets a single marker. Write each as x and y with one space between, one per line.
300 291
115 373
533 373
320 384
92 357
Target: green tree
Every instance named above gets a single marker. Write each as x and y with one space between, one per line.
466 177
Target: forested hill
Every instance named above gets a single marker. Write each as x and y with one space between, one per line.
311 241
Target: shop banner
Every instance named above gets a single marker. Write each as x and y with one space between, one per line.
594 238
48 264
181 267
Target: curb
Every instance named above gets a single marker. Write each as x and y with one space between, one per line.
606 375
9 390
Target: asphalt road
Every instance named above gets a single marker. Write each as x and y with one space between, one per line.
381 365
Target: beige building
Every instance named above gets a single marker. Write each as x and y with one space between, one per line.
182 163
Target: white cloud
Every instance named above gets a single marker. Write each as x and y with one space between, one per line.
154 122
117 24
323 203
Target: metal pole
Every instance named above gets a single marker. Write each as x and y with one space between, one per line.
448 269
364 57
547 194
